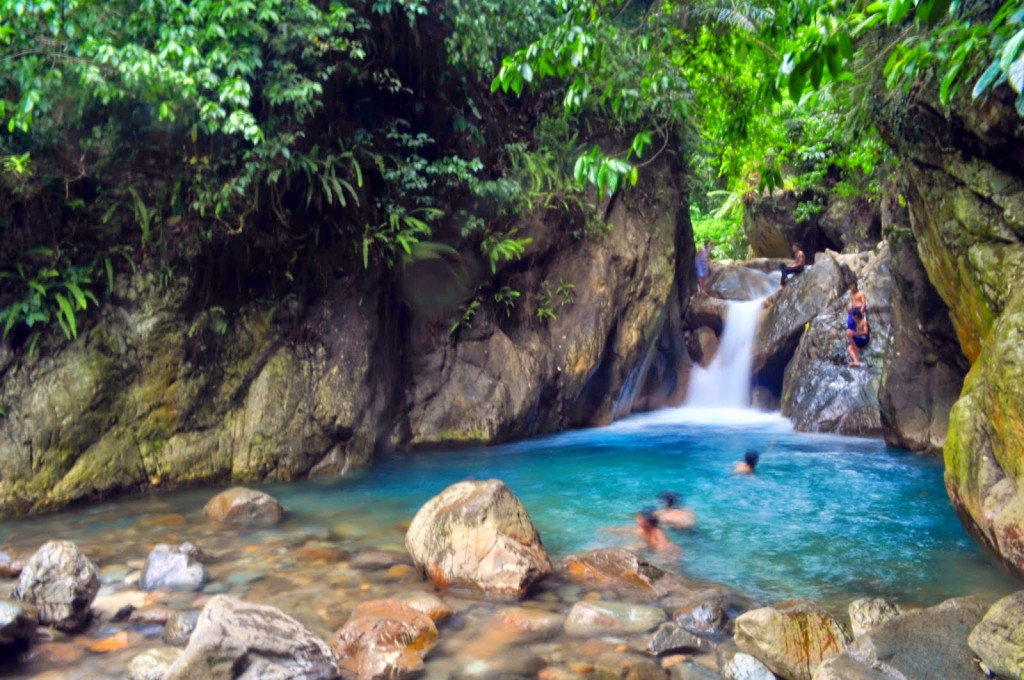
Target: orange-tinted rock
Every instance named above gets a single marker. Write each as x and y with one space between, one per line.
319 554
383 639
619 570
166 521
429 604
114 643
239 505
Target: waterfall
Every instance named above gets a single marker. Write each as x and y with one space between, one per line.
725 383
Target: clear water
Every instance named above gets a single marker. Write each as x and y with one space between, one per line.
830 518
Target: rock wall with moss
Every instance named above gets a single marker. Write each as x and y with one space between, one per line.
963 175
155 394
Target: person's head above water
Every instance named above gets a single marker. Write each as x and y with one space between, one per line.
670 498
751 457
646 518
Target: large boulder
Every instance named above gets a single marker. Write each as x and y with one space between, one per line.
821 393
477 535
772 224
61 583
384 639
852 224
924 368
170 568
868 613
237 640
791 638
734 281
919 645
782 325
999 639
239 505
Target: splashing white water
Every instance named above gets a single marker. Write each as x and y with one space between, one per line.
725 383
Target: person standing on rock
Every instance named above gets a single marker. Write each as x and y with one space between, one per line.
858 336
857 301
703 261
795 267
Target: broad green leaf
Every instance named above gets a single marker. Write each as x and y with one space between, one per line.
1010 50
77 293
68 314
931 11
986 79
1015 75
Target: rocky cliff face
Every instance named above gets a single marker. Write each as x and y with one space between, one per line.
964 178
155 395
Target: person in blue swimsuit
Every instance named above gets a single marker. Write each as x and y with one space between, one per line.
857 301
858 336
702 262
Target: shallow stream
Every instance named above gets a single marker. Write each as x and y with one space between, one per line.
825 517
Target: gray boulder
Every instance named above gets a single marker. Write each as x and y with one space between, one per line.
61 582
477 535
670 638
239 505
151 664
237 640
821 393
745 667
999 638
731 281
179 627
919 645
169 569
790 310
707 618
868 613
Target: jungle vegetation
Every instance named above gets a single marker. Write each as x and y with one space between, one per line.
285 143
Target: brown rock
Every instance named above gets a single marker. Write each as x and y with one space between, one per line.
239 505
115 643
383 639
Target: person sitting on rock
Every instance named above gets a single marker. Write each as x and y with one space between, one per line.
795 267
655 537
672 516
858 336
747 465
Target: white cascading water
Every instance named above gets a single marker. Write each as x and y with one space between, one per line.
725 383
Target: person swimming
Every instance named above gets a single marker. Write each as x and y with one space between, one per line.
747 465
672 516
648 529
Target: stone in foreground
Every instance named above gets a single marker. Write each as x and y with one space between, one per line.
384 639
791 638
238 640
999 638
18 623
610 618
745 667
169 568
869 613
476 535
926 643
239 505
61 582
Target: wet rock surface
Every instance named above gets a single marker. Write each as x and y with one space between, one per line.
234 639
384 639
61 583
871 612
167 567
477 535
602 618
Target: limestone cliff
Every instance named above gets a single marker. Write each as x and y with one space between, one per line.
156 394
963 171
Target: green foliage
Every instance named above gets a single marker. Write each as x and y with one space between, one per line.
506 297
723 226
498 247
466 320
56 291
566 292
545 309
393 241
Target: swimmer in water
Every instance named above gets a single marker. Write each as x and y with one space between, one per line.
655 537
673 516
747 465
